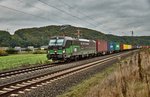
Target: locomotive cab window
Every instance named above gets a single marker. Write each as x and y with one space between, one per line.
56 42
60 41
68 43
52 42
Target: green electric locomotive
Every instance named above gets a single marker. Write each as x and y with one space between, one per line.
62 48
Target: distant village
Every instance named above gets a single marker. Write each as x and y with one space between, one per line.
29 48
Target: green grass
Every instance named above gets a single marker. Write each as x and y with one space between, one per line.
19 60
81 89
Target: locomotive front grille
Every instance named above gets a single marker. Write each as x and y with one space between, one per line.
56 56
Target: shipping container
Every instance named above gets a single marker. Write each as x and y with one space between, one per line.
116 46
111 46
101 46
129 47
125 47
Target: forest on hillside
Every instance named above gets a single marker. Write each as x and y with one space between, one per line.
40 36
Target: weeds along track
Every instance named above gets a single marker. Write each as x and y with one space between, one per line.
15 88
12 73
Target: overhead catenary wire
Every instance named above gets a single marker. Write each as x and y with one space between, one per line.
23 12
71 7
44 18
65 12
42 9
83 13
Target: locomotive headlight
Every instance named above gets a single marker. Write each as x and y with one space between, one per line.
64 51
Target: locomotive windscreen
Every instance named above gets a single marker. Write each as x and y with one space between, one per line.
56 42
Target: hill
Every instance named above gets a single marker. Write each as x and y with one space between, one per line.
40 36
5 38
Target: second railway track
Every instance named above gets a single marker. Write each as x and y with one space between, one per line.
14 88
9 73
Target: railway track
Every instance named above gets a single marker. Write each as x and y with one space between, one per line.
8 74
15 88
12 73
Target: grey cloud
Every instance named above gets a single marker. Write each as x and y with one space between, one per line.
107 15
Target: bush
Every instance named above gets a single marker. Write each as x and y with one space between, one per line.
39 52
12 51
3 53
28 50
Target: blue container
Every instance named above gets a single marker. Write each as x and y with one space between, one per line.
111 46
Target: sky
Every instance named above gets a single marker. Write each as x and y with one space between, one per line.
118 17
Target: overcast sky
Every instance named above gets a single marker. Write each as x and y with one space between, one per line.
117 17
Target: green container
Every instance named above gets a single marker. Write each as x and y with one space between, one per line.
117 46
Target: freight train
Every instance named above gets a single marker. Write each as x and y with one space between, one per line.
63 48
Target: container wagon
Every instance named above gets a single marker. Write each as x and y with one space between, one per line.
101 47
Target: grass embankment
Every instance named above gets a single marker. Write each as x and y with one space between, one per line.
129 78
21 60
81 89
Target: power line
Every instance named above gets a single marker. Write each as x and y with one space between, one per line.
24 12
64 11
16 10
68 5
31 5
40 8
73 7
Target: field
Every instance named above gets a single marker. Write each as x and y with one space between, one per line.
128 78
21 60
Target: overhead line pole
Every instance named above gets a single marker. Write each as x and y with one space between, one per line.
132 36
78 33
